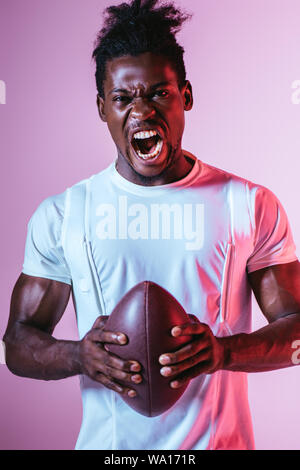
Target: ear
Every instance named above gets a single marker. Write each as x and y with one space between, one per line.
188 96
101 108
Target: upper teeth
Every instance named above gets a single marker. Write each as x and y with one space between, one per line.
144 134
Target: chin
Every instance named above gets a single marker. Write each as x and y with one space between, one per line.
149 167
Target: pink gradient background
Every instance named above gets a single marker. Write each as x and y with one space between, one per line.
242 58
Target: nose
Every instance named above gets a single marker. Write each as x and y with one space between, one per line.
142 110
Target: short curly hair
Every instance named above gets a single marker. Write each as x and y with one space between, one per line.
138 27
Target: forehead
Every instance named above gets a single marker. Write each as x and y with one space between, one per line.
143 70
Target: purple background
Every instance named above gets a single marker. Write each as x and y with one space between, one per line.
242 58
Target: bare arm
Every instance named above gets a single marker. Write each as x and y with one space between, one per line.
277 290
37 305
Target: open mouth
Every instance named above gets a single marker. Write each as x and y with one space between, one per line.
147 144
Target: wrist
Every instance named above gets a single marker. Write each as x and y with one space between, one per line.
230 346
74 353
223 353
61 360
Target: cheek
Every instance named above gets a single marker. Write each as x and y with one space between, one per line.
176 122
115 128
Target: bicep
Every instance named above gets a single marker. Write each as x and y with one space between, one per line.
38 302
277 289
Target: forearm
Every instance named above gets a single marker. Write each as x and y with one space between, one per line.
36 354
269 348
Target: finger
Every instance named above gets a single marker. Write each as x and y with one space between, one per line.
117 374
182 379
112 385
193 318
102 336
190 328
185 352
197 359
100 321
102 356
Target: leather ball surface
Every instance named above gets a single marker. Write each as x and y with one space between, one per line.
146 314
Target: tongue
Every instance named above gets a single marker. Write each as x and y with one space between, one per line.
147 145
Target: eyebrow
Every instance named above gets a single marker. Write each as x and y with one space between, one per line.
153 87
117 90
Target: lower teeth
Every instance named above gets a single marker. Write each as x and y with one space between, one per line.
153 154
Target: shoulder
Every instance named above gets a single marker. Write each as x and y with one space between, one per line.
55 206
254 191
225 176
51 212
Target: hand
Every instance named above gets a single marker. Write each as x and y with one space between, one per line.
103 366
203 355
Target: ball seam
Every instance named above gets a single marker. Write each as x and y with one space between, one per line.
146 312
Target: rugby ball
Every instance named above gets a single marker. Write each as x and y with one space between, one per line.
146 314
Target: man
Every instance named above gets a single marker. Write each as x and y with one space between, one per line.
157 213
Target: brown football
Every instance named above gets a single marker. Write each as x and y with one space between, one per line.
146 314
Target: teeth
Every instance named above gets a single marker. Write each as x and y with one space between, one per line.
144 134
153 154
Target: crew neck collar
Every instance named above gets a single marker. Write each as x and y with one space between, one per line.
127 185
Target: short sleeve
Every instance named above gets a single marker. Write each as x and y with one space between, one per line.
273 240
44 255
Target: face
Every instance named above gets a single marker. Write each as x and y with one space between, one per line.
144 110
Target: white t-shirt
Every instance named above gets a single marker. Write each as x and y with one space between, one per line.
197 238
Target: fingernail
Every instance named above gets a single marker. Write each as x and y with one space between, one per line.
164 360
166 371
131 393
176 331
121 338
136 379
135 367
175 384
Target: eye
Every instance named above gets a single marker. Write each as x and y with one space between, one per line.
162 93
121 99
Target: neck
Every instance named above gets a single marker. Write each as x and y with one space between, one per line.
178 170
